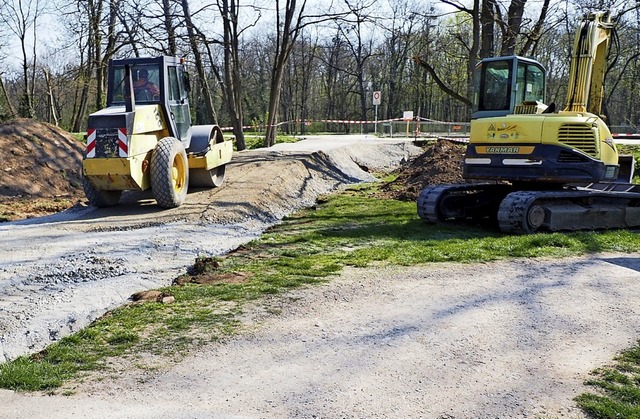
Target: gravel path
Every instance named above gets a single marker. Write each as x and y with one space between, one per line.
502 339
505 339
59 273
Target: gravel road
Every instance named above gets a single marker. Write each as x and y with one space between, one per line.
509 339
493 340
59 273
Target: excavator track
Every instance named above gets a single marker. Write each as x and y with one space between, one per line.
530 211
525 212
459 202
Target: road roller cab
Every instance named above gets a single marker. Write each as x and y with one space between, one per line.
144 138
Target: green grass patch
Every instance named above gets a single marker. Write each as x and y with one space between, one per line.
79 136
257 141
616 388
352 228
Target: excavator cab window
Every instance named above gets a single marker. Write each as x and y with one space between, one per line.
495 86
504 82
529 83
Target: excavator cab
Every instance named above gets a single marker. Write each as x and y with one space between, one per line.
508 85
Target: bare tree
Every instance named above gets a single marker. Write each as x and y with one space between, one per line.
290 21
232 86
472 45
130 18
3 89
195 36
53 115
361 49
169 27
533 37
102 25
399 41
304 71
511 27
21 18
330 59
4 42
484 16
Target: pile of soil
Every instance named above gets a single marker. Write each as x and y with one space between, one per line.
441 163
41 168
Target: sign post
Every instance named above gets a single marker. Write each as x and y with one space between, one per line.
377 97
407 116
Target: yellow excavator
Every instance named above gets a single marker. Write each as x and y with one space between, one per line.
532 167
144 138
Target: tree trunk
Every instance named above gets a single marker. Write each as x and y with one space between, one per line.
53 115
274 104
81 111
82 99
26 102
473 54
232 78
514 22
487 21
95 40
306 87
532 40
204 83
169 28
286 34
3 88
34 63
109 51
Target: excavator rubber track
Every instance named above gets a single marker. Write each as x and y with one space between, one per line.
529 211
524 212
459 202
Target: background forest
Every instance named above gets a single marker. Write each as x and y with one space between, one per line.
275 63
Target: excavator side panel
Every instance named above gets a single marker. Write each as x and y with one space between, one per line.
564 147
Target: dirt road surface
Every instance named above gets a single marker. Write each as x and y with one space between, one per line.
58 273
503 339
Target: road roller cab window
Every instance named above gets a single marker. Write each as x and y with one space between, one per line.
145 80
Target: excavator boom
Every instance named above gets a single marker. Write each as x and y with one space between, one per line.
588 64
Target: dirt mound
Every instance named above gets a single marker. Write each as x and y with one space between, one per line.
439 164
41 168
39 160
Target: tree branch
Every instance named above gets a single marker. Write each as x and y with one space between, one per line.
439 81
